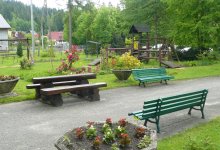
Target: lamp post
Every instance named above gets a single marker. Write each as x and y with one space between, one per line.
32 30
70 23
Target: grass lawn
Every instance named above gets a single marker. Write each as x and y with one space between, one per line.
47 68
202 137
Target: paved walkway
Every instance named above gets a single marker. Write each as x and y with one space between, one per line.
32 125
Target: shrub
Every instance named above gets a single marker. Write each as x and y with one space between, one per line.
25 64
125 62
19 49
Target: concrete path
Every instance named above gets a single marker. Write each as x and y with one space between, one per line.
32 125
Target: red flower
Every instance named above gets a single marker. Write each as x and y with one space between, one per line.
122 122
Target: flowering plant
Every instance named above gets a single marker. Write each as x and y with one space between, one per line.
140 132
72 56
122 122
79 133
4 78
125 62
109 121
125 140
97 142
91 132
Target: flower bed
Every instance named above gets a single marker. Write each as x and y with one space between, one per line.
7 83
108 135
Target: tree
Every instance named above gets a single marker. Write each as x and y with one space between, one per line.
194 23
105 24
19 49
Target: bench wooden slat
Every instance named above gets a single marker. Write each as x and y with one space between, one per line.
64 78
34 86
154 105
150 102
58 90
173 109
180 103
181 99
183 95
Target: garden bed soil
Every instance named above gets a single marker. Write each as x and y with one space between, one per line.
70 142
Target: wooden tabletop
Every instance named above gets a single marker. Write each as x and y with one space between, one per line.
50 79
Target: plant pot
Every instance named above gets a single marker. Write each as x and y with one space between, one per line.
69 140
122 74
8 85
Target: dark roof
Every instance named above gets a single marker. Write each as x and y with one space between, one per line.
139 29
3 23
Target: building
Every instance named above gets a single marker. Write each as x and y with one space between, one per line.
4 27
56 36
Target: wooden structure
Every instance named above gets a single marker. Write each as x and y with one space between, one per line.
141 47
153 109
49 89
150 75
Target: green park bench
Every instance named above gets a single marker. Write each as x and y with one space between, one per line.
150 75
153 109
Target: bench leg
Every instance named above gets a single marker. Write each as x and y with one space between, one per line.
202 111
54 100
94 95
145 123
190 111
165 81
157 123
37 93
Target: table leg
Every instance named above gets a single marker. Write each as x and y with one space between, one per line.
94 94
54 100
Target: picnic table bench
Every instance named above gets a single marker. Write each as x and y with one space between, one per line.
49 89
153 109
150 75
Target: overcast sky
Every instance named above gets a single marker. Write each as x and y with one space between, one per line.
59 4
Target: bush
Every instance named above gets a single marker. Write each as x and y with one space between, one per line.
190 54
25 64
19 49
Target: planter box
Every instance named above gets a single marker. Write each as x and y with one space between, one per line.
8 85
122 74
69 141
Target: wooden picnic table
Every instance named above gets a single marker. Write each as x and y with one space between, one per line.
77 77
51 81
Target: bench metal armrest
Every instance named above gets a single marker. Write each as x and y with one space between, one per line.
136 112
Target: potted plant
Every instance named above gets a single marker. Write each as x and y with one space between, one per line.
121 66
7 83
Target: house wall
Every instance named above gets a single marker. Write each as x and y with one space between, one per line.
3 35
